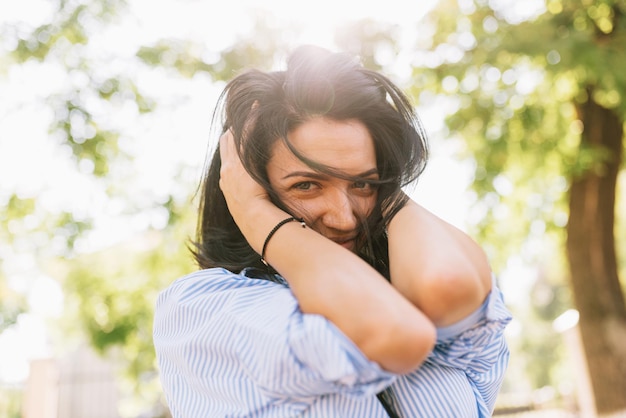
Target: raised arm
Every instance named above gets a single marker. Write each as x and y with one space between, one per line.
436 266
326 278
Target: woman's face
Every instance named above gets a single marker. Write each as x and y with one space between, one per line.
330 205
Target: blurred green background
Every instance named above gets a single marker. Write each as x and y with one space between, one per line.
105 113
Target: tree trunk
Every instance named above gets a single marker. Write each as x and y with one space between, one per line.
592 258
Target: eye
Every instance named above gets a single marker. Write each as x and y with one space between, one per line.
364 188
303 185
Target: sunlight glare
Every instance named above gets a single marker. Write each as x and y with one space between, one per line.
218 27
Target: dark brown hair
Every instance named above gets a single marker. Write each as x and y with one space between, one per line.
316 83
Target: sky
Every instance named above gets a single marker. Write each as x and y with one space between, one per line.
177 133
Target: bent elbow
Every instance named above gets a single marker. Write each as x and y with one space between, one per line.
409 345
454 296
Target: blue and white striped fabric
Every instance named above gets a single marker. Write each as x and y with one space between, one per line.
233 346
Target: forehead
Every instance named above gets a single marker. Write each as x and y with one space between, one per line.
344 145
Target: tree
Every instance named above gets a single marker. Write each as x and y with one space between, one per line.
539 101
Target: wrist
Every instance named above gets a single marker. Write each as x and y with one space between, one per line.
257 222
273 231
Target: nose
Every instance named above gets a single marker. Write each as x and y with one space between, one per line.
340 211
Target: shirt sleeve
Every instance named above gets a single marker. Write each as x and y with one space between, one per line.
234 330
477 346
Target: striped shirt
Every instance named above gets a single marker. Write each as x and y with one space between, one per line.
229 345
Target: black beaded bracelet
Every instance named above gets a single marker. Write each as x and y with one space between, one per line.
273 231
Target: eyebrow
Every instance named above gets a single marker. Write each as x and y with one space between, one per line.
315 175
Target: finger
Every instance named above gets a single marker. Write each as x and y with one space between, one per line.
226 137
227 145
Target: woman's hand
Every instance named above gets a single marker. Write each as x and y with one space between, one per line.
247 200
239 188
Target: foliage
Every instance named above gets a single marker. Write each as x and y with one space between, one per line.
10 402
113 293
504 108
189 57
79 121
109 295
515 85
370 40
510 85
11 305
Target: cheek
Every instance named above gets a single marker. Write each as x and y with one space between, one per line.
368 206
311 210
308 209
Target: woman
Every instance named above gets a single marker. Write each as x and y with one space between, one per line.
322 285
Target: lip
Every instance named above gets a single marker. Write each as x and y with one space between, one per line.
347 243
